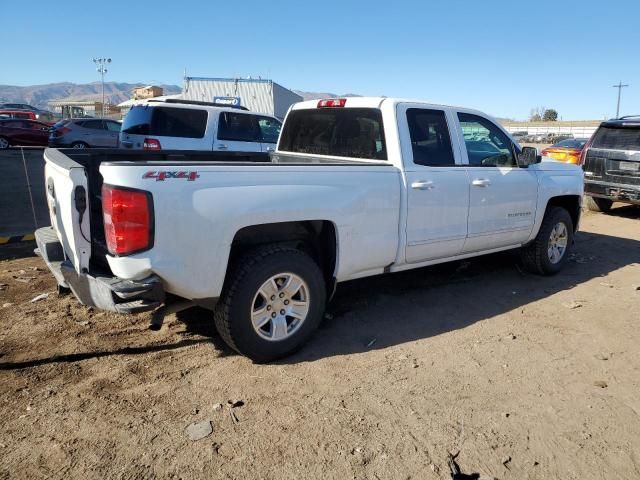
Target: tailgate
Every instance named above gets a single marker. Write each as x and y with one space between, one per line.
67 197
613 166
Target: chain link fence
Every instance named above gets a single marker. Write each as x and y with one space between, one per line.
23 201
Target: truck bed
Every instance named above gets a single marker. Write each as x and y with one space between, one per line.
91 159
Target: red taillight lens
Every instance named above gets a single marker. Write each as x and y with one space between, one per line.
151 144
573 156
583 153
61 131
128 218
332 102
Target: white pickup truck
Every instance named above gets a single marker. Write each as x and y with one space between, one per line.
356 187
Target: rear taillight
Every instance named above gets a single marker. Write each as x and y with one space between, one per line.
583 153
332 102
59 132
151 144
573 156
128 220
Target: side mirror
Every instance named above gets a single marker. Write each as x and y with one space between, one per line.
528 156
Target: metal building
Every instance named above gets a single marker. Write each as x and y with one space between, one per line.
257 94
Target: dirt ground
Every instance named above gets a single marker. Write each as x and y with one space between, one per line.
525 377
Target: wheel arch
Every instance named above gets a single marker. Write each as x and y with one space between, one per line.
571 203
317 238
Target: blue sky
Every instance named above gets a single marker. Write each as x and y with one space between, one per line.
503 57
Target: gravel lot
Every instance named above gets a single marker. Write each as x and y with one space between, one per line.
525 377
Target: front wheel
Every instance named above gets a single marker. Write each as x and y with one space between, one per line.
79 145
548 253
4 143
272 303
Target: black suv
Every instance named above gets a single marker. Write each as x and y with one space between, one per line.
611 164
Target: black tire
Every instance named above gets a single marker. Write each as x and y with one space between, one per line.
535 257
79 145
596 204
250 272
4 143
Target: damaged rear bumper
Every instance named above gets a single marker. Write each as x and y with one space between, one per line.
101 291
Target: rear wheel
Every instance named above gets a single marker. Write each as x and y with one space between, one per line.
596 204
272 303
4 143
548 253
79 145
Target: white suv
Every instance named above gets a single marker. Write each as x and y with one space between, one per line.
189 125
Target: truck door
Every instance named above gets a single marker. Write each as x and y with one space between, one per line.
238 132
502 197
437 185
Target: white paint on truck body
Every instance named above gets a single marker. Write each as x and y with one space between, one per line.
389 215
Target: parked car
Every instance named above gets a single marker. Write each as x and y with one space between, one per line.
85 133
519 135
611 164
21 114
18 110
568 150
356 187
17 106
183 125
17 132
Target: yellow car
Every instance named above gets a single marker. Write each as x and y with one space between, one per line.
567 151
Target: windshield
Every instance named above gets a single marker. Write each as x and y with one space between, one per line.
571 143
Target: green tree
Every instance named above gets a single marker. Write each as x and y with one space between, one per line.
550 115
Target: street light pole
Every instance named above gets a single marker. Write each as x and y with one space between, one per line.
620 86
102 70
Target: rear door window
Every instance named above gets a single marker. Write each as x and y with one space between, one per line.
621 138
430 140
239 127
340 132
93 124
166 122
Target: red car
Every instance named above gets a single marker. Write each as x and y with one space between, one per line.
23 132
22 114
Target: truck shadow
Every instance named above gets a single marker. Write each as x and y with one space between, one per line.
388 310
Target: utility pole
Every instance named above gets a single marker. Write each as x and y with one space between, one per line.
620 86
102 70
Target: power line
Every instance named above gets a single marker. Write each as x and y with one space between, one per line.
620 86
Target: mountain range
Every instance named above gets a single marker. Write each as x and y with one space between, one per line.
115 92
40 95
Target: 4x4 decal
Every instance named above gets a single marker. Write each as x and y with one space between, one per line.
162 176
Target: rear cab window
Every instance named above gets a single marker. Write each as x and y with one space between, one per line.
339 132
166 122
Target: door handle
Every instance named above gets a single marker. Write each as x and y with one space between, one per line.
222 146
423 185
481 182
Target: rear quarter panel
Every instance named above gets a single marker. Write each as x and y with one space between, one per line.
196 221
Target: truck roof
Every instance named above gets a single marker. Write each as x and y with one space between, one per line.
376 102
